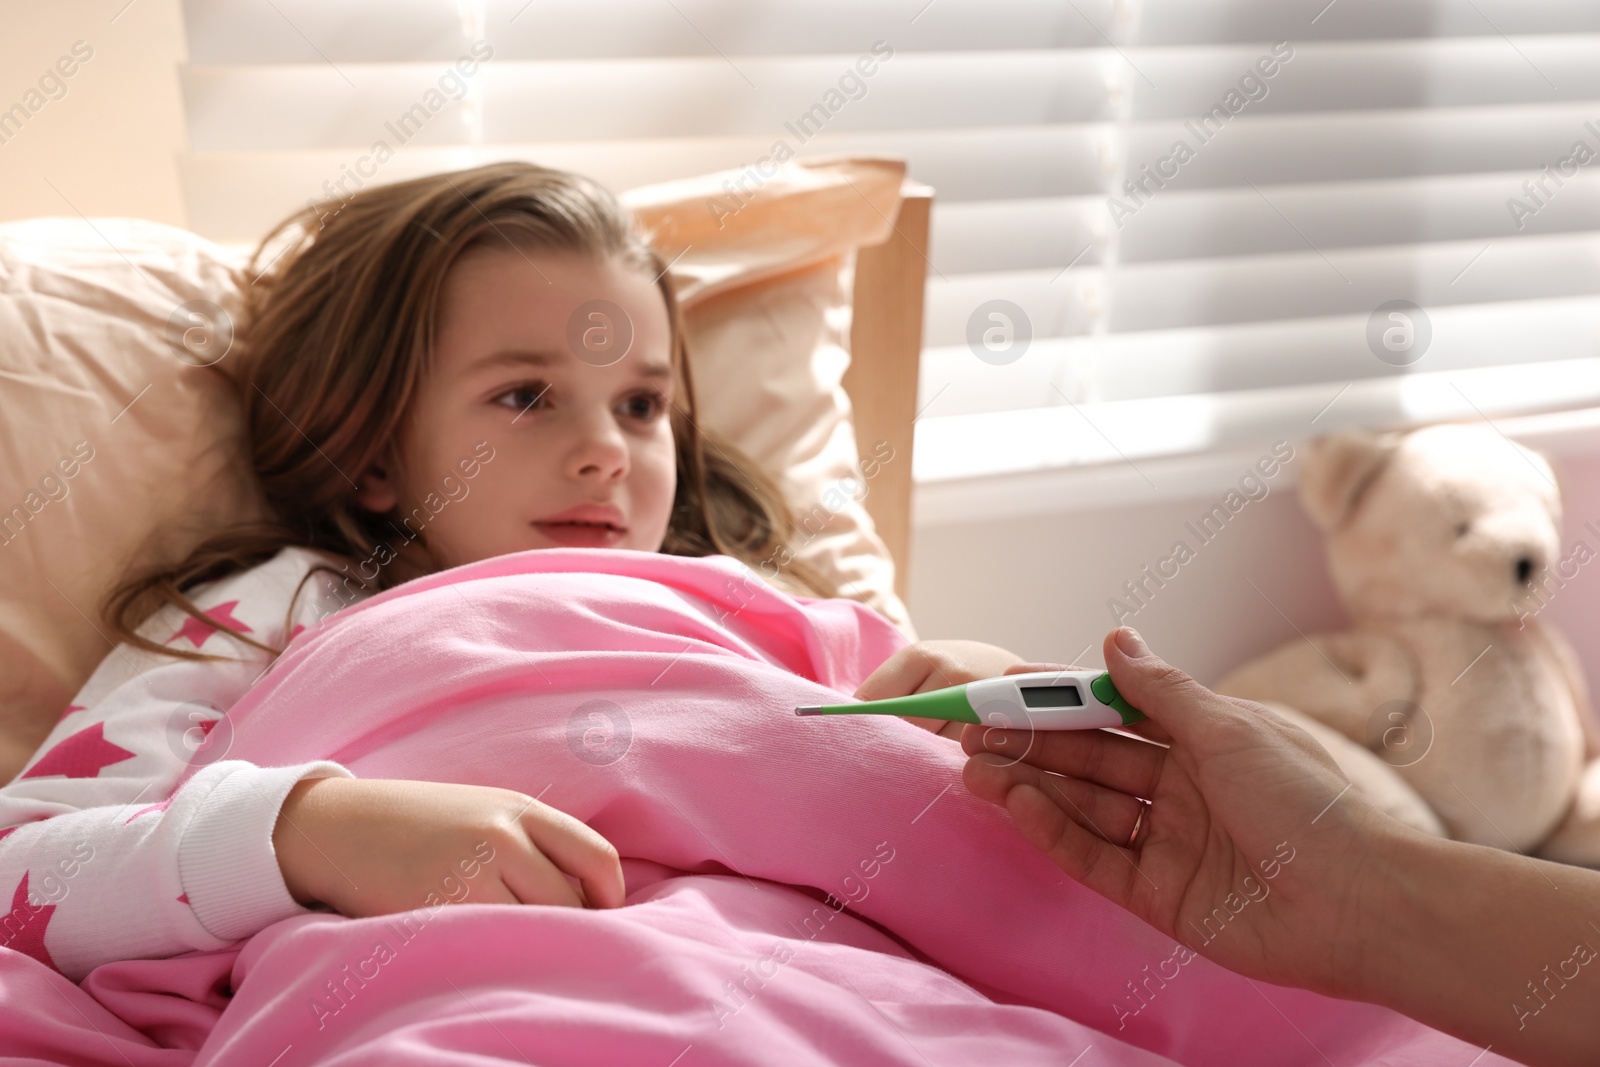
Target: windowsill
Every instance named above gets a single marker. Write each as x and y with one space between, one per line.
1053 460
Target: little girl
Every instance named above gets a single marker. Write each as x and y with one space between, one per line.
437 372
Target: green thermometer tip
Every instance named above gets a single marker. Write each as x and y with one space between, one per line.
948 704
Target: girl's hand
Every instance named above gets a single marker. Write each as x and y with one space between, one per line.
372 847
935 665
1250 851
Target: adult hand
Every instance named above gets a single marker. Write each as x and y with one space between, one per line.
1249 850
1252 853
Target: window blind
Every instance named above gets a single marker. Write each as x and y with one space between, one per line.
1196 220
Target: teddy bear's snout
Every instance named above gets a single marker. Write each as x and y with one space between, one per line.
1527 564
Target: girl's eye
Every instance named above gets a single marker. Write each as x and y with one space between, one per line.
646 405
523 397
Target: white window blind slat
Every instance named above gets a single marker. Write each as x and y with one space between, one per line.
1183 294
378 31
234 196
1251 357
305 31
1456 207
264 106
1008 442
975 237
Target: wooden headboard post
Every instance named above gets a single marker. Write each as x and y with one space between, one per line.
885 357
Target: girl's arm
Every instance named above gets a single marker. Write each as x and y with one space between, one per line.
99 859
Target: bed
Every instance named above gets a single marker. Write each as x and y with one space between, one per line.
801 892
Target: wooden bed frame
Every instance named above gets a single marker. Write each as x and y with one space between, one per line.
886 352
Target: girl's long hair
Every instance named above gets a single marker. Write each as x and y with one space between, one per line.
333 346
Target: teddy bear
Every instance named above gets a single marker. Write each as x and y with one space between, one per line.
1448 702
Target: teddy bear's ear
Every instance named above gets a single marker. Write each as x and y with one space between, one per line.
1338 470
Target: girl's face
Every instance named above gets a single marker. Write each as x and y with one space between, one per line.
540 424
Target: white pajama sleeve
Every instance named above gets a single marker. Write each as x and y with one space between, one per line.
102 857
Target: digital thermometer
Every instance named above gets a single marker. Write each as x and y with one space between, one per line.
1044 700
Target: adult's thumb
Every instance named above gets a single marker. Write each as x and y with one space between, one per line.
1174 703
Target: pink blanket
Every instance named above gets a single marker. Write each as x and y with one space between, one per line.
801 891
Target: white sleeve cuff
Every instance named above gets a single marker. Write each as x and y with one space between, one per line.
226 862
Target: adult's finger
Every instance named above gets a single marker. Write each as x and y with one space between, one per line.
1106 812
1177 708
1122 763
578 850
1083 854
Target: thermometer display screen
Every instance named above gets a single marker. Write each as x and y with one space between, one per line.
1051 696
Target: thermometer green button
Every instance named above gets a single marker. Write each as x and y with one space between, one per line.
1107 694
1043 700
